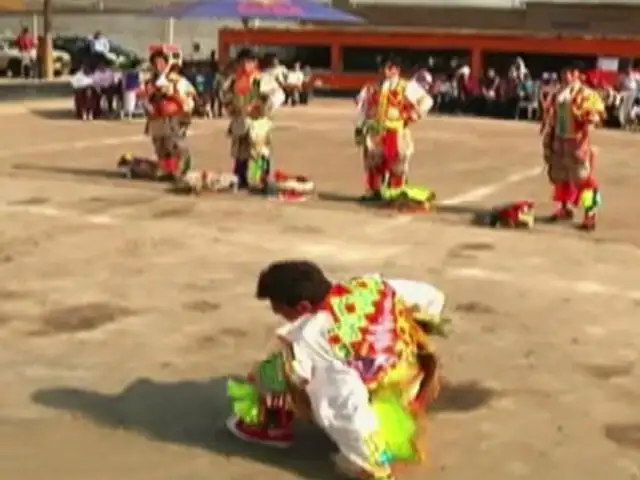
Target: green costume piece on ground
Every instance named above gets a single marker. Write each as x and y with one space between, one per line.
245 401
411 193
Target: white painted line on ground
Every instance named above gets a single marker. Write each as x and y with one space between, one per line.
59 213
118 140
68 146
85 144
544 282
484 191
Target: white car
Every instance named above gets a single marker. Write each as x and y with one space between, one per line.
11 61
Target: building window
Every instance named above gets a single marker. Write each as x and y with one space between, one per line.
314 56
536 63
366 59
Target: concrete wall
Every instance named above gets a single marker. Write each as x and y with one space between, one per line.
137 31
604 19
129 30
584 20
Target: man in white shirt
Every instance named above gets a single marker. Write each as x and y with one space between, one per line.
99 44
345 346
520 68
277 71
295 83
629 89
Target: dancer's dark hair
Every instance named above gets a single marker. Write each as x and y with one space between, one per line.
291 282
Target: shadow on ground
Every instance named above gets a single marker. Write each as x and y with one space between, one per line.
74 171
193 413
477 214
68 114
55 114
190 413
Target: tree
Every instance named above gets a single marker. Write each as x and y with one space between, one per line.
45 49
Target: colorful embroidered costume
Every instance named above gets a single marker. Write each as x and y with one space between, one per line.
250 98
385 111
168 99
520 214
360 366
570 115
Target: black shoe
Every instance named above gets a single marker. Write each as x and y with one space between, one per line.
371 197
561 215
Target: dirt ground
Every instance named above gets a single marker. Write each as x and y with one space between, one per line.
123 308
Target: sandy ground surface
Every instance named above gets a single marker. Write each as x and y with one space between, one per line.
124 307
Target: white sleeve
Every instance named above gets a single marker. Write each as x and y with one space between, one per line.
307 339
422 295
419 97
184 87
162 81
361 105
302 364
270 88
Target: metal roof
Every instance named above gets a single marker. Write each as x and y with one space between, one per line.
508 4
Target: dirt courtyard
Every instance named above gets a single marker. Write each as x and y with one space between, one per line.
123 307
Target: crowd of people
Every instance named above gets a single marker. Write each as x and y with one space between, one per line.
518 94
512 94
100 90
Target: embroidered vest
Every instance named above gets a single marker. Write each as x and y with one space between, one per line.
242 95
388 106
165 100
372 328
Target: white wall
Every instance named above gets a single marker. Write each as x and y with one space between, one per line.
132 31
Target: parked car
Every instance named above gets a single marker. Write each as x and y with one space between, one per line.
11 60
79 49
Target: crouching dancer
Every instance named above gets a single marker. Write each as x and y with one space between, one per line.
355 358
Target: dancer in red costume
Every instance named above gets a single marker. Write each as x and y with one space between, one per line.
570 115
385 110
168 96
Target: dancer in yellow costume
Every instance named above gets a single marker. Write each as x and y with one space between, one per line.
354 358
571 114
251 97
386 109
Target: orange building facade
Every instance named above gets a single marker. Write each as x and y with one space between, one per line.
346 58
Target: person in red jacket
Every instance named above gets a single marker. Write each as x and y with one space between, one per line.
25 44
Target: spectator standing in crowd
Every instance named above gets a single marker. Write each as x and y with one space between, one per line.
105 85
490 91
309 84
526 88
463 84
100 45
512 91
24 42
549 86
85 95
294 84
277 71
629 87
520 69
217 81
